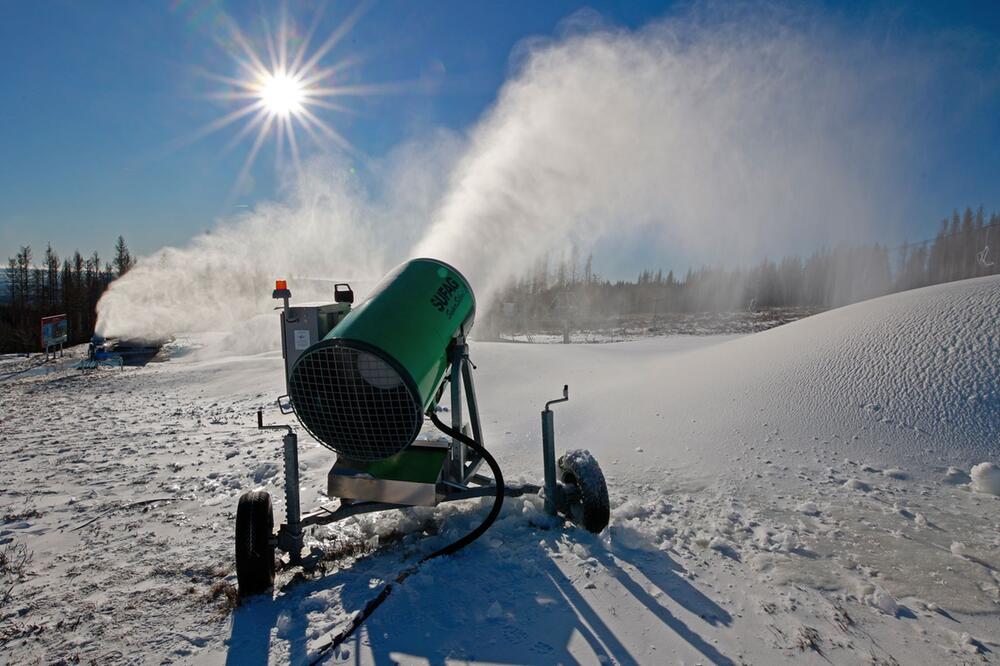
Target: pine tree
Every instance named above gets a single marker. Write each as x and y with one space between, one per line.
938 261
967 247
37 287
953 245
24 279
123 259
12 280
574 260
51 277
66 293
561 274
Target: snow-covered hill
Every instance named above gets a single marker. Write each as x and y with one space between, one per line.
784 496
911 380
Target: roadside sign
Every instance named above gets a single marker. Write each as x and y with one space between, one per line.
55 331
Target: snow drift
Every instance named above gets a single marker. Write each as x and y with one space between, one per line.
909 381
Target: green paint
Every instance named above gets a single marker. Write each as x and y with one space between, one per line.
418 464
412 316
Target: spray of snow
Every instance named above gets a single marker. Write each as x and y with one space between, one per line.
716 129
328 228
224 277
743 132
986 478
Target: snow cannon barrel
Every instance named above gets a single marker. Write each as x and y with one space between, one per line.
364 388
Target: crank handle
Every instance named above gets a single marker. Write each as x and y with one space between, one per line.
562 399
261 426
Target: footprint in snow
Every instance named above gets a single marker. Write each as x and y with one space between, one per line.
514 635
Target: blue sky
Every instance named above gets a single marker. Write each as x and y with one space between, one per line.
93 95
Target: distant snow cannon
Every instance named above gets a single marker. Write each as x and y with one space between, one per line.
364 388
361 382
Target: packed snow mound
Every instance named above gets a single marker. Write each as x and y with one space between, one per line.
921 369
911 379
909 383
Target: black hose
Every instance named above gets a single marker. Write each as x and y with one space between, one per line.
450 549
497 478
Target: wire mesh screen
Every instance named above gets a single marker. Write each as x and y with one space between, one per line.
354 402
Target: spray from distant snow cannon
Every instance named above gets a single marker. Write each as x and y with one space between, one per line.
361 380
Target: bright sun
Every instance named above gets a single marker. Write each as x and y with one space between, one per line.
280 89
282 94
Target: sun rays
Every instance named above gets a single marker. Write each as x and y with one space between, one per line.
284 91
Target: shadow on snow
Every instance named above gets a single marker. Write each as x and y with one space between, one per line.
496 602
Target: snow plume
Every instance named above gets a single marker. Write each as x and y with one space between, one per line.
329 228
225 277
721 138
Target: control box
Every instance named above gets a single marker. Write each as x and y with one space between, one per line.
302 326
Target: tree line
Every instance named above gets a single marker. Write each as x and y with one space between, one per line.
568 288
43 286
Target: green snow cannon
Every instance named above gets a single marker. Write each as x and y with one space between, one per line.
363 389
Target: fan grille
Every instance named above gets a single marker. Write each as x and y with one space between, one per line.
354 402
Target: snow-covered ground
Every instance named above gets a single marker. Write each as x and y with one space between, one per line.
797 495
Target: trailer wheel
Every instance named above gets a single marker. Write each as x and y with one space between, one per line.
591 509
254 549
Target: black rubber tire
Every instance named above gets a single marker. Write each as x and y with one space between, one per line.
254 549
592 510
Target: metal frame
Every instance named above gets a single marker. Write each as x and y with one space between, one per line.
459 481
52 349
463 462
